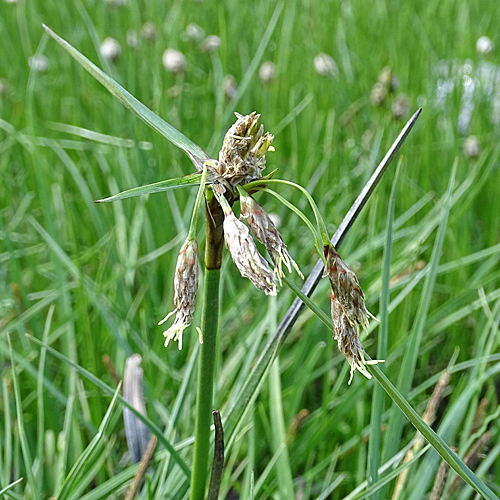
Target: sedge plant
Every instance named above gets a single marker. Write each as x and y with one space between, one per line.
235 178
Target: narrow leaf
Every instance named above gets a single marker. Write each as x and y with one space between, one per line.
157 187
195 153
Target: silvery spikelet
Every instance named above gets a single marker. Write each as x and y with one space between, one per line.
185 288
246 256
347 336
345 286
242 157
265 231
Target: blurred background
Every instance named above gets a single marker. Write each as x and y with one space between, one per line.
334 81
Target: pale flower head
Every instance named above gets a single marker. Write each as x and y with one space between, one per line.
267 72
174 61
484 45
245 255
266 233
111 49
325 65
242 157
210 44
185 289
38 63
230 86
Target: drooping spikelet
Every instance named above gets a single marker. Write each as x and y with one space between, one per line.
185 288
345 286
347 336
266 233
246 256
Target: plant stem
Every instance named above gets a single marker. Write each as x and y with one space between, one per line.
204 399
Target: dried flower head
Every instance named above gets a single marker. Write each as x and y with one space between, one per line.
230 86
185 288
400 106
325 65
267 72
472 146
148 31
242 157
194 33
246 256
347 336
484 45
38 63
378 94
111 49
345 286
210 44
174 61
265 231
132 39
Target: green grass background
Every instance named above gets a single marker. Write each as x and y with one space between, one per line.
93 280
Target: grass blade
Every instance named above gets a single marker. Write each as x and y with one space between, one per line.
157 187
435 441
378 396
405 378
195 153
108 390
28 463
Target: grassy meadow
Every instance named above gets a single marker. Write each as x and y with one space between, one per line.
83 286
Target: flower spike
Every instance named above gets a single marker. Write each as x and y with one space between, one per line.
266 233
246 256
185 288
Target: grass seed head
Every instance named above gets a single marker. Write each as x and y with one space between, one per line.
245 255
185 289
242 157
266 233
347 336
345 286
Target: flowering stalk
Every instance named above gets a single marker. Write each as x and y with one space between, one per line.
210 322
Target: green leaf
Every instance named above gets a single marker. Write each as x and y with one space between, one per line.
154 429
157 187
195 153
435 441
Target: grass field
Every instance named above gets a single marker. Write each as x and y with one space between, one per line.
92 281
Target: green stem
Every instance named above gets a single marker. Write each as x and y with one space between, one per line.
210 320
325 237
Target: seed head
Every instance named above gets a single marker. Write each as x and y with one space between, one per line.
246 256
242 157
267 72
265 231
325 65
111 49
472 146
185 288
347 336
484 45
345 286
210 44
38 63
400 106
230 86
174 61
148 31
194 33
